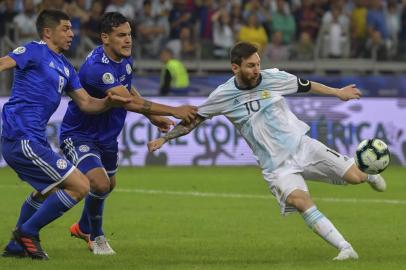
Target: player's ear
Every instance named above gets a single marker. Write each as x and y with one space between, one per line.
46 33
105 38
235 68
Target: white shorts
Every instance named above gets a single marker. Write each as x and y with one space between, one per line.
312 161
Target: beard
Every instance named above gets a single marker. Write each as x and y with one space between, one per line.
248 82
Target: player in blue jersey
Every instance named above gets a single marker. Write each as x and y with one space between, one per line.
253 101
90 141
42 73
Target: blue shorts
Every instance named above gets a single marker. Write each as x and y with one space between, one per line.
88 155
36 163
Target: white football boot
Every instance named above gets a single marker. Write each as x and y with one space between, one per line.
100 246
346 254
377 182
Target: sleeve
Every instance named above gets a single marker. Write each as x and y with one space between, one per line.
281 82
212 106
27 55
100 77
73 82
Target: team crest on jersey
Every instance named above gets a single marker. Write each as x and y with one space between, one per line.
66 71
61 164
108 78
84 148
19 50
265 94
129 69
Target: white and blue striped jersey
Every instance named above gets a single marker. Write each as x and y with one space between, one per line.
261 115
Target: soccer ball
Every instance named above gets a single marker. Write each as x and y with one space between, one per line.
372 156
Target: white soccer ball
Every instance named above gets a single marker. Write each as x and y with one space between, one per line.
372 156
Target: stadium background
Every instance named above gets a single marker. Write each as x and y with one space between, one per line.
361 42
223 217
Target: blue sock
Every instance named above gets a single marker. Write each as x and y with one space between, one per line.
53 207
29 207
84 223
95 205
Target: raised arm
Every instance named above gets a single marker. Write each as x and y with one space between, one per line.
180 130
6 63
346 93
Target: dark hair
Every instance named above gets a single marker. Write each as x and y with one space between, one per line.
110 20
49 18
241 51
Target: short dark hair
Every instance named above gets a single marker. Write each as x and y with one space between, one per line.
110 20
49 18
241 51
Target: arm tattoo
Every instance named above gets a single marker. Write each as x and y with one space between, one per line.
146 107
182 129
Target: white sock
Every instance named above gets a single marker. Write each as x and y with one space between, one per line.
324 228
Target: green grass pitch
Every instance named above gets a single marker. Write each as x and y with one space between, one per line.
218 218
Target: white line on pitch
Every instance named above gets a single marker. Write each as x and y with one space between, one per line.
252 196
233 195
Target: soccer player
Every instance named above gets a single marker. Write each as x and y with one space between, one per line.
253 101
41 74
90 141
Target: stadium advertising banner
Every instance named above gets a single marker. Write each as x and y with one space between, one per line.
340 125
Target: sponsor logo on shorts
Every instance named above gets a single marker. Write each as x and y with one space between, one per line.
61 164
84 148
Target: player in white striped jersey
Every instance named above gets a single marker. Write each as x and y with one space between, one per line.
253 101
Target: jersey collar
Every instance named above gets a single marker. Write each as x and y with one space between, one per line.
247 88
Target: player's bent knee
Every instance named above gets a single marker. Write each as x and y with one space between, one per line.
300 200
77 185
99 182
112 182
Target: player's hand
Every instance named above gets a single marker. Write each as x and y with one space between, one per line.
163 123
186 112
349 92
155 144
116 100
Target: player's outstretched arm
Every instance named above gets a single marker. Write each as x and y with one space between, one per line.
91 105
186 112
163 123
6 63
180 130
346 93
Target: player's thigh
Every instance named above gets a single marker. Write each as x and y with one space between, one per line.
36 163
282 185
85 155
76 185
321 163
109 158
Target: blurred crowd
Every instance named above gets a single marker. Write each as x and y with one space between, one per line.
283 29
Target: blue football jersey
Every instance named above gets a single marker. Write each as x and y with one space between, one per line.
39 79
97 75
